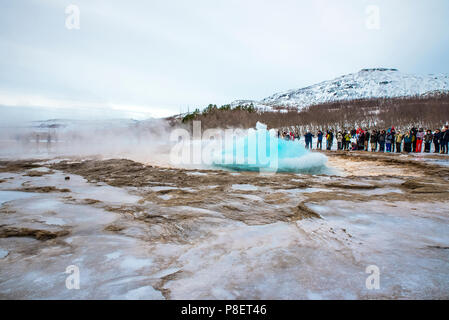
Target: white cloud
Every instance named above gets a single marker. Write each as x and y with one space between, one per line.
168 56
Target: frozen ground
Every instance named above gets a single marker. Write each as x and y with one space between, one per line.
142 232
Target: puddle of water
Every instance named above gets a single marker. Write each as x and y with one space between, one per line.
3 253
157 189
196 174
113 255
307 190
244 187
439 162
250 197
144 293
6 196
134 263
379 191
52 221
41 169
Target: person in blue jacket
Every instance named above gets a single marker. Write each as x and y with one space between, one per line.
308 137
319 144
444 140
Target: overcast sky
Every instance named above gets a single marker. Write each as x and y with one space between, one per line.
157 58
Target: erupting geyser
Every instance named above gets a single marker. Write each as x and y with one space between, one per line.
261 150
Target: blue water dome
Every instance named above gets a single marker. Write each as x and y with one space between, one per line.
261 150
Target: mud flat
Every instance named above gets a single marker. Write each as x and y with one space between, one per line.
137 231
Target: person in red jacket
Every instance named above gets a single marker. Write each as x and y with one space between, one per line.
419 140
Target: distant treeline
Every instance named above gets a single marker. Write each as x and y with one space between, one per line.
426 112
214 111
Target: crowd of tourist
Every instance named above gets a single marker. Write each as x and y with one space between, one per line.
390 140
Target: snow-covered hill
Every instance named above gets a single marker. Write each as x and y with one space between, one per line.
368 83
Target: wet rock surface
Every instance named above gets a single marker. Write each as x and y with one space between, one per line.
139 231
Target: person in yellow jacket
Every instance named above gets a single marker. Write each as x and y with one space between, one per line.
398 140
347 140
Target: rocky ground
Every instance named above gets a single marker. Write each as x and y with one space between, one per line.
145 232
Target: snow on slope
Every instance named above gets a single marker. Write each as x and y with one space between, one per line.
256 104
368 83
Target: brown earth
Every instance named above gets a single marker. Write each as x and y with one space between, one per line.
188 202
46 189
8 231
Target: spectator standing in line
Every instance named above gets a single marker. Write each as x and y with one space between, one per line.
373 140
367 137
413 133
389 140
436 140
428 139
393 145
339 140
308 137
381 140
408 138
419 140
329 139
347 140
444 140
319 144
398 141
